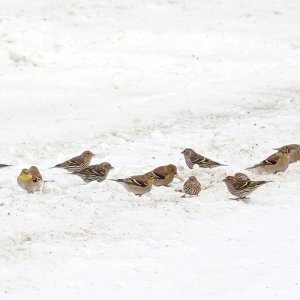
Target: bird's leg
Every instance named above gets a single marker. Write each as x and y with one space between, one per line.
236 199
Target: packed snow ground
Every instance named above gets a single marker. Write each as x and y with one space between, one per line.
136 82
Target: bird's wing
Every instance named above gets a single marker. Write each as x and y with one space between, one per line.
241 181
159 173
271 160
99 171
204 162
199 159
135 180
36 178
72 163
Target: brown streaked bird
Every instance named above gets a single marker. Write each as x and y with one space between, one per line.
191 187
277 162
193 158
95 172
164 175
77 163
240 185
139 184
30 180
294 152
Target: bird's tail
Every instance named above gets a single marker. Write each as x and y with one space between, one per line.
4 166
257 183
57 166
215 164
223 165
251 168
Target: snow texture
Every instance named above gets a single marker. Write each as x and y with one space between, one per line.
136 82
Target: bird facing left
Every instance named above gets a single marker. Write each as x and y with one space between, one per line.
30 179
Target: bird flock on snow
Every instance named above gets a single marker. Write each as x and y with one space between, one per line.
239 185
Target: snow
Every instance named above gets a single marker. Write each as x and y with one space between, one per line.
136 82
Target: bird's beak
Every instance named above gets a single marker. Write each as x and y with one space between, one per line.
182 152
223 180
111 168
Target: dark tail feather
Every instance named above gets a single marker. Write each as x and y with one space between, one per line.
57 166
253 167
222 165
3 165
216 164
262 182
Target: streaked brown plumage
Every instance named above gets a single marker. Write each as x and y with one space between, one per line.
77 163
139 184
294 152
277 162
30 180
164 175
95 172
240 185
191 187
193 158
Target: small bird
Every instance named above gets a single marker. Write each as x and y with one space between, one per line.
164 175
139 184
191 187
77 163
240 185
277 162
192 158
94 172
294 152
30 180
3 166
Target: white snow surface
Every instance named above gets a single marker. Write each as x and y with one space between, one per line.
136 82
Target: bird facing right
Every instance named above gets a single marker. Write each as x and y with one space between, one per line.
164 175
294 152
277 162
139 185
193 158
77 163
3 166
191 187
95 172
240 185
